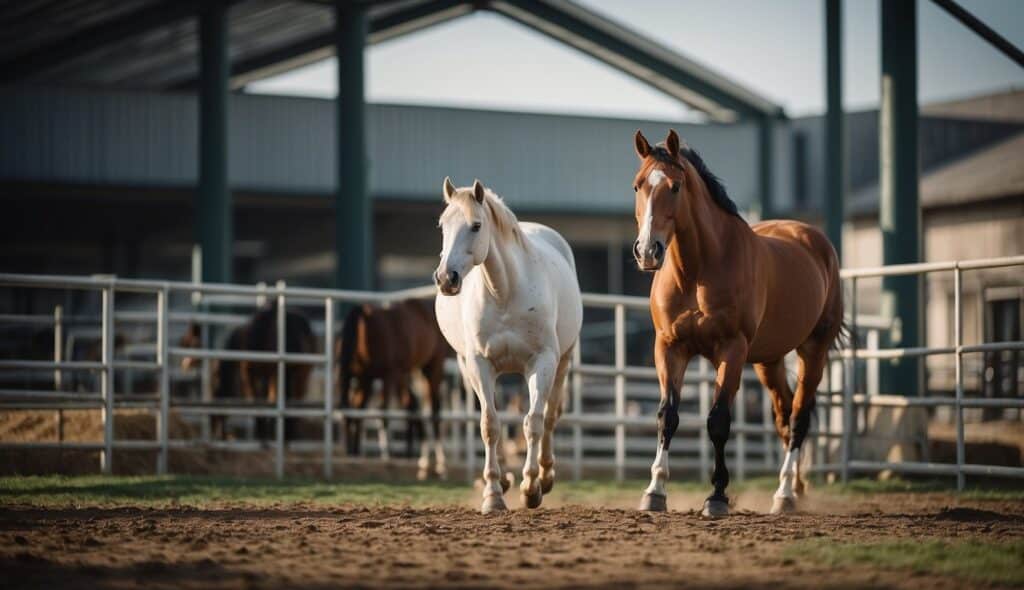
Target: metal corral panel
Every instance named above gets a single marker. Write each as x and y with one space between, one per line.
286 145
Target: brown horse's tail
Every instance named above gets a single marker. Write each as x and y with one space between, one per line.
348 350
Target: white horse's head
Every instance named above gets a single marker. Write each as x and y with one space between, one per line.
466 234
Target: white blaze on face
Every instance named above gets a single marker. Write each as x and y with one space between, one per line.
787 475
654 178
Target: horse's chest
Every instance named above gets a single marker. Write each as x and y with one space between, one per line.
699 329
509 340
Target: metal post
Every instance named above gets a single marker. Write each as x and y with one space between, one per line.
766 154
328 387
470 430
704 392
849 387
163 417
353 209
213 204
107 380
577 411
282 385
959 338
835 129
899 210
741 437
620 392
58 355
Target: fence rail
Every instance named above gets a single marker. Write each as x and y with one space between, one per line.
757 438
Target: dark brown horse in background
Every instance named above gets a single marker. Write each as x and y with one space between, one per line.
732 293
257 381
389 344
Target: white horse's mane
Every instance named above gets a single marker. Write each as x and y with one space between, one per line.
504 219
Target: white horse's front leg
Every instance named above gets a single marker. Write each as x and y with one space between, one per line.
481 375
539 380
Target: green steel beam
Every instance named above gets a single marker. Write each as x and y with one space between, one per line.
308 50
213 206
637 56
835 127
899 207
353 209
766 166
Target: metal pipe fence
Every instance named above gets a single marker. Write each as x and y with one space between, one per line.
753 440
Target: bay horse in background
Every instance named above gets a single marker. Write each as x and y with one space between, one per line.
390 344
732 293
257 381
508 302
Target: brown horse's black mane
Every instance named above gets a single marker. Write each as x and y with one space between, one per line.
714 184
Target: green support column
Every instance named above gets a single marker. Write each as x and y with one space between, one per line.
213 199
835 128
353 209
766 164
899 207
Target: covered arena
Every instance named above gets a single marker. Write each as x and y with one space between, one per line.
183 256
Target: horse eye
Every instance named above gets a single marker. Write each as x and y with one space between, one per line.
636 188
674 187
476 227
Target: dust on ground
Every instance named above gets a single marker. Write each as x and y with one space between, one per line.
557 546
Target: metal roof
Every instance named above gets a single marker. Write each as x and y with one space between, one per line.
153 44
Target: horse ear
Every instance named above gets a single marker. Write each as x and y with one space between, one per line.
672 143
643 148
478 191
449 189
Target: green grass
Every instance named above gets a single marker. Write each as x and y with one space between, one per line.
94 490
1001 563
53 491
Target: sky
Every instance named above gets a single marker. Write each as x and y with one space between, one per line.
774 48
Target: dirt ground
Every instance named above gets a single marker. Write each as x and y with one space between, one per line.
556 546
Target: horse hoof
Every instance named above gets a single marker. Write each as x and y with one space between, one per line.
783 505
533 500
422 475
715 508
546 484
653 503
507 481
493 504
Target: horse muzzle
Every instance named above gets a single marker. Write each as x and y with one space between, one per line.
651 257
448 283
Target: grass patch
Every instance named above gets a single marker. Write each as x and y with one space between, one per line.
1001 563
865 486
51 491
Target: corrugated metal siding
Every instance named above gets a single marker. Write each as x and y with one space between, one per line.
285 144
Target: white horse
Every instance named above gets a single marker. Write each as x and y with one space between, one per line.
509 302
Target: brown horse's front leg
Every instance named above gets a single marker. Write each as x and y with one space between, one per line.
729 362
671 360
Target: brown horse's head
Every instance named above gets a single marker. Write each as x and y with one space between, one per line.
191 339
657 185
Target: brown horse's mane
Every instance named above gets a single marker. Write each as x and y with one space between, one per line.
714 184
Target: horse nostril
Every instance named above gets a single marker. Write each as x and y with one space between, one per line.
659 250
636 249
453 278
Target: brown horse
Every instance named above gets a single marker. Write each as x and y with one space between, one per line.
257 381
732 293
389 344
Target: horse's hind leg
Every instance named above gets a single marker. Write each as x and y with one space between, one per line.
773 377
539 380
813 355
552 412
434 373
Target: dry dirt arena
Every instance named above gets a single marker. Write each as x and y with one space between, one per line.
306 545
